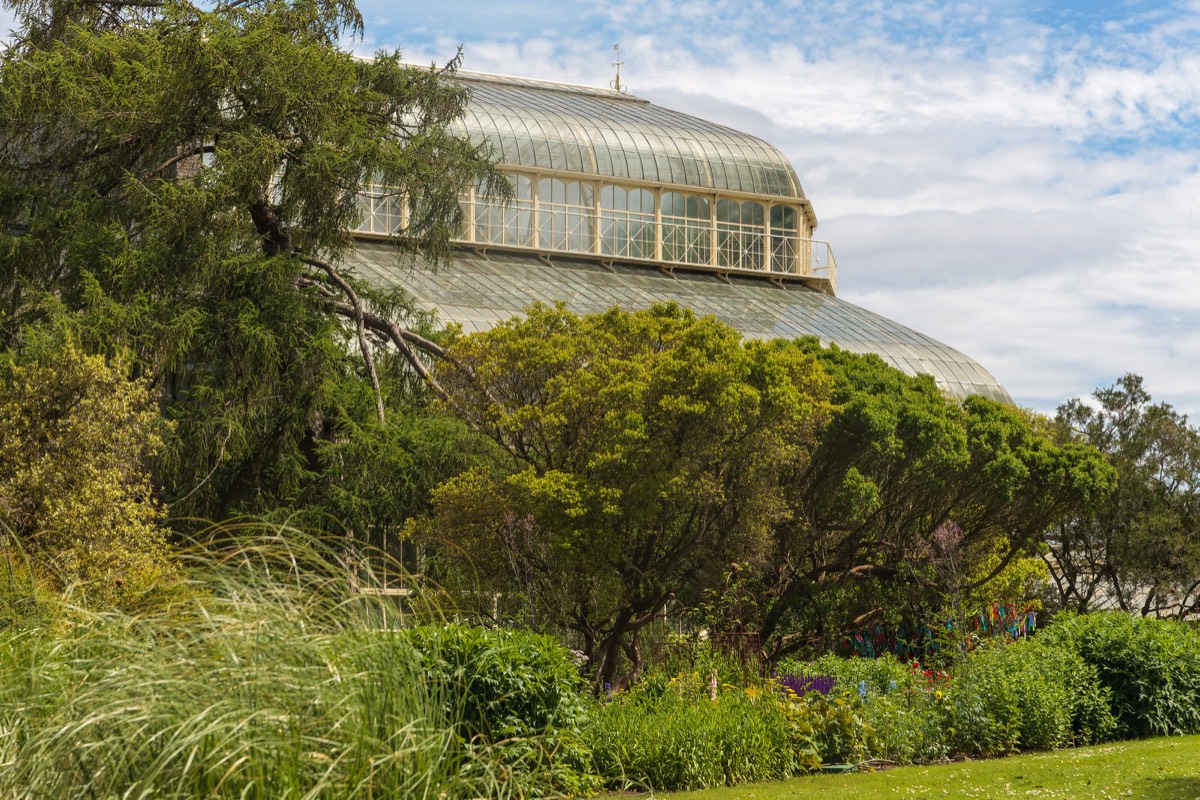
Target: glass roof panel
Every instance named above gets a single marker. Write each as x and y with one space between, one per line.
503 284
664 146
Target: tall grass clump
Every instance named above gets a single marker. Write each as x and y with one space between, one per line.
689 731
666 738
270 679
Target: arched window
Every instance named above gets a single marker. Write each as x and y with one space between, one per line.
686 228
740 234
627 222
565 211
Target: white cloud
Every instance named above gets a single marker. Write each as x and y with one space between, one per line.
1025 193
1018 179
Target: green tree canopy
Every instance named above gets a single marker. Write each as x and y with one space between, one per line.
179 180
912 500
1140 550
644 453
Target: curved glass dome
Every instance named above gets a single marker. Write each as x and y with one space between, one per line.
601 132
478 291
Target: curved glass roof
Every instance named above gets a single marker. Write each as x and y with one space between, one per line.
478 291
602 132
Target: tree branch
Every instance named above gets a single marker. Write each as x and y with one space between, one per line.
360 325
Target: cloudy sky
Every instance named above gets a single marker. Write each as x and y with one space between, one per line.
1017 178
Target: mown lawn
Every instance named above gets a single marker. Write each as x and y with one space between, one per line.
1151 769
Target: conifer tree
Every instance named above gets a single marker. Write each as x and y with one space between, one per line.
179 180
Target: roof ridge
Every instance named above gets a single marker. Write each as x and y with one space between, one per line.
470 76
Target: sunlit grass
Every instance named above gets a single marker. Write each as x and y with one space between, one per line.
1150 769
265 677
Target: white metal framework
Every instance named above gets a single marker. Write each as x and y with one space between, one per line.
619 202
667 226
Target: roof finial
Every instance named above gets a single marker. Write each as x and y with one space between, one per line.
616 84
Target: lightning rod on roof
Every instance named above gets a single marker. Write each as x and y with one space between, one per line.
616 84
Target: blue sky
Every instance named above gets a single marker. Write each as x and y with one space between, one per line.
1019 179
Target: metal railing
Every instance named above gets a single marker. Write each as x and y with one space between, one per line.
607 235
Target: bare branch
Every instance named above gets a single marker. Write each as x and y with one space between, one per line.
360 324
384 328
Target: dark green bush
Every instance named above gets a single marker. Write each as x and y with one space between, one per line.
1151 668
512 686
516 682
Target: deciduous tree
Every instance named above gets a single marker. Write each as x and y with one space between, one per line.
898 467
1140 550
644 453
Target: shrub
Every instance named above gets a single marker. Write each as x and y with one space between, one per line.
510 687
898 703
841 732
910 726
74 487
673 736
1029 695
1151 667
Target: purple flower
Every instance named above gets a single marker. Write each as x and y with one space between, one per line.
801 686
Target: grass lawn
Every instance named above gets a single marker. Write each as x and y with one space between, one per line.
1152 769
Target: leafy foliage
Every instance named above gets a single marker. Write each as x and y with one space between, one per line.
877 675
181 178
1150 666
1029 695
1140 550
1004 697
674 736
905 709
508 687
645 451
74 487
913 503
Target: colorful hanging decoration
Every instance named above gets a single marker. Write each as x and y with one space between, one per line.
908 641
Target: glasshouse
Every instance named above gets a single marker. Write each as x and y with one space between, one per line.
619 202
